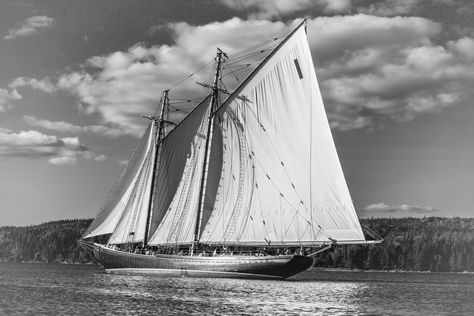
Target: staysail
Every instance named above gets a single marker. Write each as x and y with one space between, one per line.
281 182
131 226
123 202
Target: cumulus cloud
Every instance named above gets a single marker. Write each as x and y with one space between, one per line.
100 158
123 85
30 26
371 69
33 144
384 210
335 6
5 130
65 127
6 98
277 8
464 47
122 162
340 35
44 84
390 7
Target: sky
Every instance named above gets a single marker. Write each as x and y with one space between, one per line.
76 77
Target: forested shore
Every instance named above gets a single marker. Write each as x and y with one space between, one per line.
413 244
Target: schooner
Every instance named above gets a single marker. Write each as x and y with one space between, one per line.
248 184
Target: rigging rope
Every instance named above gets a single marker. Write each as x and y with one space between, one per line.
295 209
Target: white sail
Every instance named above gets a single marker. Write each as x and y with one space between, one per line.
131 227
179 222
281 181
119 197
177 173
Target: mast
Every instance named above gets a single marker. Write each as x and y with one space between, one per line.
159 124
210 130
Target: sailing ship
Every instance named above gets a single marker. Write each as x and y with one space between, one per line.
248 184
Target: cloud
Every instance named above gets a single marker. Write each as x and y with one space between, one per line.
30 26
100 158
44 84
5 130
370 69
276 8
390 7
122 162
335 6
65 127
341 35
384 210
6 98
33 144
377 69
464 47
123 85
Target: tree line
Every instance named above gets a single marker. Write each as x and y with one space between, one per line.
434 244
52 242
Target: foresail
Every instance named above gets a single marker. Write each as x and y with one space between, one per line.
119 197
178 169
177 226
281 181
131 226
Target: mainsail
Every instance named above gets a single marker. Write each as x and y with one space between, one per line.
281 182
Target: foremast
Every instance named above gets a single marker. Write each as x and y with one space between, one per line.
159 123
210 130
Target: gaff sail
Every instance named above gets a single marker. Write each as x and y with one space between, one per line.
176 177
281 182
179 220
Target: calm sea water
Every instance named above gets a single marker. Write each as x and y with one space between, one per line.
40 289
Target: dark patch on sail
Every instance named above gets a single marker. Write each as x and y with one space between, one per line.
297 64
174 151
214 174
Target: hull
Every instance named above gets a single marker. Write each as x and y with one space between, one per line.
264 267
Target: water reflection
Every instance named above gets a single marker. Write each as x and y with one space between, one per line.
82 290
223 296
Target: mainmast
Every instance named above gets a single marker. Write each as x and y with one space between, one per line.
210 130
159 125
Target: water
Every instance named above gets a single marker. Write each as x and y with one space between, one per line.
39 289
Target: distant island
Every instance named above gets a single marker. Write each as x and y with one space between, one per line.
433 244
